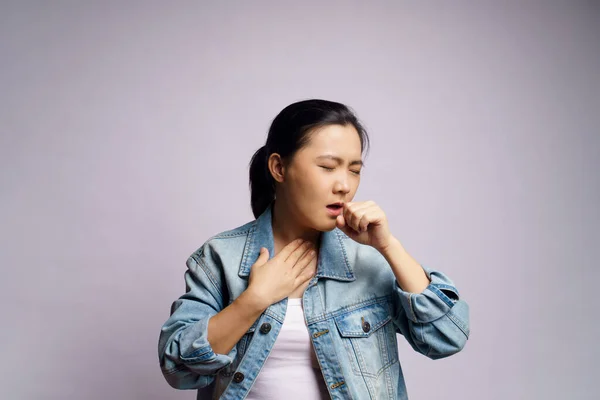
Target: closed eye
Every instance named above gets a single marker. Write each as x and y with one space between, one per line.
332 168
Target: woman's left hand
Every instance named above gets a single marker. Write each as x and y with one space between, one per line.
366 223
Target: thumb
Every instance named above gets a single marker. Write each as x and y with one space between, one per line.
263 257
341 224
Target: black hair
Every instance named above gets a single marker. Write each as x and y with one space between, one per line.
288 133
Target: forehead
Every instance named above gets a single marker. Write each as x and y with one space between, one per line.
341 139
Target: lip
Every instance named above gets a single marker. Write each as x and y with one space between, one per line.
335 212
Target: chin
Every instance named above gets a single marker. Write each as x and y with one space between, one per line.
326 227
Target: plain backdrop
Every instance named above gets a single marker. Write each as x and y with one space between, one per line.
126 131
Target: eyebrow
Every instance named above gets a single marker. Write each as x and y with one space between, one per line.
340 161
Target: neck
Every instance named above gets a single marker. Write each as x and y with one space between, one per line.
287 227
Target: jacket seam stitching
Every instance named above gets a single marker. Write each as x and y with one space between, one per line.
210 276
247 246
410 306
353 307
459 323
231 234
348 270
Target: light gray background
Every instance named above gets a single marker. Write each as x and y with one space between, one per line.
126 130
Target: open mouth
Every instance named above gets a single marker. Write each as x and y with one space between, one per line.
335 206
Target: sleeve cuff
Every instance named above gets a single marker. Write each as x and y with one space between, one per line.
433 302
194 340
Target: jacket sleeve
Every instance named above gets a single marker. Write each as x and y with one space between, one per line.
436 321
187 360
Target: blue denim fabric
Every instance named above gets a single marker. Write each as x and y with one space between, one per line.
354 284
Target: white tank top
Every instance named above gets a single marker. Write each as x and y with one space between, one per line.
291 371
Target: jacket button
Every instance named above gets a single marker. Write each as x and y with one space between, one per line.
265 328
238 377
366 326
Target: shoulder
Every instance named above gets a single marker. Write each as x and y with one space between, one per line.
224 239
231 240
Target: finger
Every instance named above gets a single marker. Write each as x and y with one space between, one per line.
307 273
341 224
358 218
363 215
296 254
352 217
360 206
364 222
302 280
289 248
357 211
305 257
306 260
346 214
263 256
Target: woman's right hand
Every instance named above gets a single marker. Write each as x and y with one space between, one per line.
274 279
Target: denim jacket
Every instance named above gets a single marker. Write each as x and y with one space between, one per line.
354 309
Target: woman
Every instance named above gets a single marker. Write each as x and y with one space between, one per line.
305 301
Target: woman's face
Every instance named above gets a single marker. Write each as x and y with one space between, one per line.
325 171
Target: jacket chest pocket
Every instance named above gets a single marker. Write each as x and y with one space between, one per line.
369 338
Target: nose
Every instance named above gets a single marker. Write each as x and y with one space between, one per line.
341 186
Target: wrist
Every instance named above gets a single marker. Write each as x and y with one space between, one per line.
393 246
253 300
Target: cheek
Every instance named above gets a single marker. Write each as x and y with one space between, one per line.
312 181
324 185
306 190
354 187
303 184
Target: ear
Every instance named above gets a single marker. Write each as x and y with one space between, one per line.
276 167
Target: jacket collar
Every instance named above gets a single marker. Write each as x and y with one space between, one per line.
332 263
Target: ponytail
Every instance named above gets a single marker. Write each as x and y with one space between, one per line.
262 188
